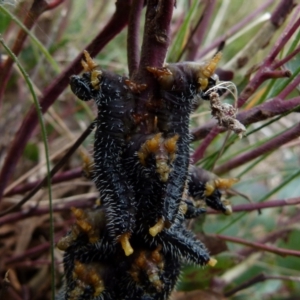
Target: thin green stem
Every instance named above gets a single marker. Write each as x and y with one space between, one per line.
40 46
44 137
268 195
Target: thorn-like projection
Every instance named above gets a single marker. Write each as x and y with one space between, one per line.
88 166
135 87
163 150
157 228
171 146
163 75
152 265
65 242
88 276
81 226
207 70
228 207
90 66
124 240
183 207
150 146
212 262
219 183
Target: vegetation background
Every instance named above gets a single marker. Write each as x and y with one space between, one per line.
257 247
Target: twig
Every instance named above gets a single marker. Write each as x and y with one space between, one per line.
38 7
261 205
230 32
271 145
259 246
266 65
197 38
26 213
50 94
55 169
263 36
281 62
290 87
199 152
61 177
259 278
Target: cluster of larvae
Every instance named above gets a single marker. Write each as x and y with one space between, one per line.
132 243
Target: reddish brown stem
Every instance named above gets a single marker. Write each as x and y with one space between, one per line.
156 34
37 8
266 65
28 253
13 217
259 246
230 32
199 152
154 47
55 169
197 39
281 62
290 87
257 279
276 74
278 17
261 205
61 177
50 94
133 46
54 3
271 145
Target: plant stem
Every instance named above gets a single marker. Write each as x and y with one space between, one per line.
230 32
261 205
61 177
259 246
271 145
133 48
197 39
38 7
55 169
199 152
257 279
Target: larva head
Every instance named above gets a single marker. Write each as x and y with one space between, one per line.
81 86
84 86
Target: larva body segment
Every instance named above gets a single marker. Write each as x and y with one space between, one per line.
179 84
115 105
177 93
141 162
188 248
191 210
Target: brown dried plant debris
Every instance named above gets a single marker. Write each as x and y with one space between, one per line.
225 115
